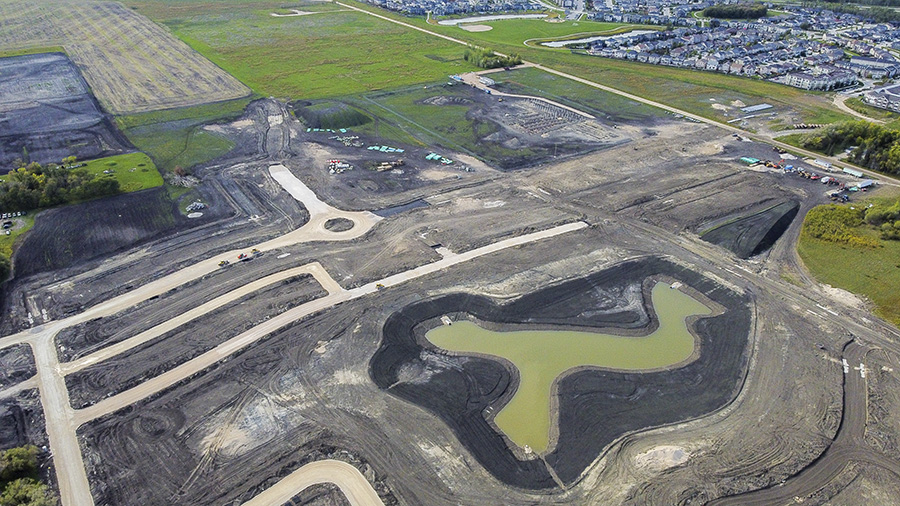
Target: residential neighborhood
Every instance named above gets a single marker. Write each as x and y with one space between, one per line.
804 47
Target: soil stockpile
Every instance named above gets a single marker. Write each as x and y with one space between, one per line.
752 234
595 406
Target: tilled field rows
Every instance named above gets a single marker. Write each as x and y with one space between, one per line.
132 64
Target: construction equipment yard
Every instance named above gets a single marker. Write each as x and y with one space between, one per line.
273 350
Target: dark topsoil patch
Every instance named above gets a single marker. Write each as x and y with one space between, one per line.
752 234
338 225
187 341
49 113
16 364
596 407
68 235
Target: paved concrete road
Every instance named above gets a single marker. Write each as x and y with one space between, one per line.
352 483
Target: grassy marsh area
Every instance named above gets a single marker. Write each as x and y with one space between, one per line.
174 137
332 52
134 171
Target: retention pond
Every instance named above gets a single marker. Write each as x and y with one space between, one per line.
543 356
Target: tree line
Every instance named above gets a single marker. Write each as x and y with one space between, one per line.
838 224
487 59
736 11
885 217
35 185
872 146
877 12
844 224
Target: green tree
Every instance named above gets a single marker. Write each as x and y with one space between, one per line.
18 462
26 492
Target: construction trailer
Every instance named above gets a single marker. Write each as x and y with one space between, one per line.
853 172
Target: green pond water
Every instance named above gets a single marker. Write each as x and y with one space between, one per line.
542 356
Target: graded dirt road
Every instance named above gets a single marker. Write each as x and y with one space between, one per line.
839 100
249 337
849 445
60 417
315 269
352 483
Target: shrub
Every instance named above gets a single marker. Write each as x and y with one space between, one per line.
837 224
18 462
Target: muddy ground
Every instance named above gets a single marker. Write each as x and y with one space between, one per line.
22 423
305 393
49 113
198 336
16 364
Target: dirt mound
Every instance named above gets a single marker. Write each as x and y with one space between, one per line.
752 234
447 100
595 407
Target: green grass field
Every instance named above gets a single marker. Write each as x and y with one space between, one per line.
7 241
134 171
688 90
171 145
871 272
32 50
333 52
200 114
514 32
174 138
891 118
531 81
337 52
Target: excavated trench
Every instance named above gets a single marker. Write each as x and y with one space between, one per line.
594 407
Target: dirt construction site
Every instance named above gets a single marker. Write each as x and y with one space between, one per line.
273 351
